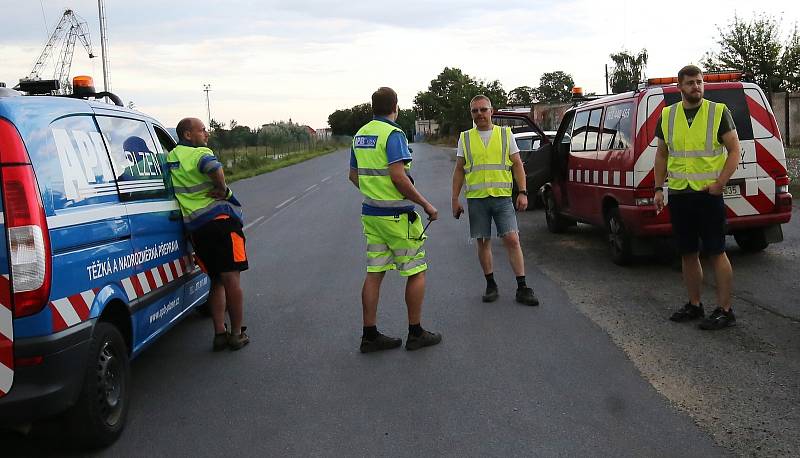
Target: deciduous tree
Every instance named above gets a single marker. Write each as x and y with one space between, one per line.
628 70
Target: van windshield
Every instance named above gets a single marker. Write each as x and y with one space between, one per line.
734 99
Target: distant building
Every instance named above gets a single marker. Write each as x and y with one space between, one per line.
323 133
426 127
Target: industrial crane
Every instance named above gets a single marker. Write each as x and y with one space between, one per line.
69 29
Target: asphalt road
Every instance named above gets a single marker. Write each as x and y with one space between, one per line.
740 385
507 380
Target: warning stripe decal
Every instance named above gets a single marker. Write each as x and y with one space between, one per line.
69 311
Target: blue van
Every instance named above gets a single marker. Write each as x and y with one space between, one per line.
94 263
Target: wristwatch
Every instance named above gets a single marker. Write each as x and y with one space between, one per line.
524 192
659 188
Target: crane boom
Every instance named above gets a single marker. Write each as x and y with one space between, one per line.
68 30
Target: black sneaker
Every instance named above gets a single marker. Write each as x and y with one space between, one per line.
719 319
426 339
491 294
525 296
688 312
382 342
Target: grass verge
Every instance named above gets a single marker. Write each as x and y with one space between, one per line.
792 152
257 166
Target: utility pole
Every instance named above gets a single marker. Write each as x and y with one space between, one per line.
207 89
103 43
607 79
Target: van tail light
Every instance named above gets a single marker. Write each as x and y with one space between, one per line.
781 185
644 196
26 226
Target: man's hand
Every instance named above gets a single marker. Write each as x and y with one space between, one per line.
658 199
457 208
522 202
433 213
219 194
715 188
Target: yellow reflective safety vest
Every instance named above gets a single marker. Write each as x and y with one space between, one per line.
374 181
696 157
192 186
487 168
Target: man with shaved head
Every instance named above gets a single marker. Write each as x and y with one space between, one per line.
213 218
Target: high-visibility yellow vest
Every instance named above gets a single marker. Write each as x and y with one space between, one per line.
487 168
696 157
192 187
374 181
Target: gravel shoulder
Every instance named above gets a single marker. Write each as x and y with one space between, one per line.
740 385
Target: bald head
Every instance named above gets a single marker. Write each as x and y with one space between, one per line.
193 131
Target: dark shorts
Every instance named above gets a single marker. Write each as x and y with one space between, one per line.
698 216
220 247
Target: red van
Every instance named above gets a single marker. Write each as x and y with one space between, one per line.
603 157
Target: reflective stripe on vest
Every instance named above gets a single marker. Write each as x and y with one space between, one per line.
696 158
487 170
374 179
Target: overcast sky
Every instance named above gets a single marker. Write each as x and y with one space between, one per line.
269 61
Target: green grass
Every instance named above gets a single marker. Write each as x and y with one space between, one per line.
792 151
250 166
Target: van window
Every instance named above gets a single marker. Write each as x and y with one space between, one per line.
585 130
579 130
139 166
72 165
593 131
165 140
617 127
734 99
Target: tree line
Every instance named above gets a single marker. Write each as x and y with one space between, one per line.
757 48
275 135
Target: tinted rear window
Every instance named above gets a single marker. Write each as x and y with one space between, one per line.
734 99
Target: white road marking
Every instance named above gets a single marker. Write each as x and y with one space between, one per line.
313 186
326 178
248 226
285 202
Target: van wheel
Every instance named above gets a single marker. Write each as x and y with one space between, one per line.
751 240
620 241
99 416
555 222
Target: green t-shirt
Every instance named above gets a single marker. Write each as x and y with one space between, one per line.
725 126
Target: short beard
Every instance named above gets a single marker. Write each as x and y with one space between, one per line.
692 98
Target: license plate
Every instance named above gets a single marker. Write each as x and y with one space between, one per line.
731 191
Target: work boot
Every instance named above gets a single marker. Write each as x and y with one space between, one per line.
525 296
426 339
236 342
719 319
221 341
491 294
688 312
382 342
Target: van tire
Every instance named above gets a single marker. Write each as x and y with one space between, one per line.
620 241
751 240
98 418
555 222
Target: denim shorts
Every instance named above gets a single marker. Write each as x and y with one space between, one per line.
698 216
483 210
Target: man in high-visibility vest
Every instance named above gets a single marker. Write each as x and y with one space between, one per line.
380 164
693 137
213 218
488 160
